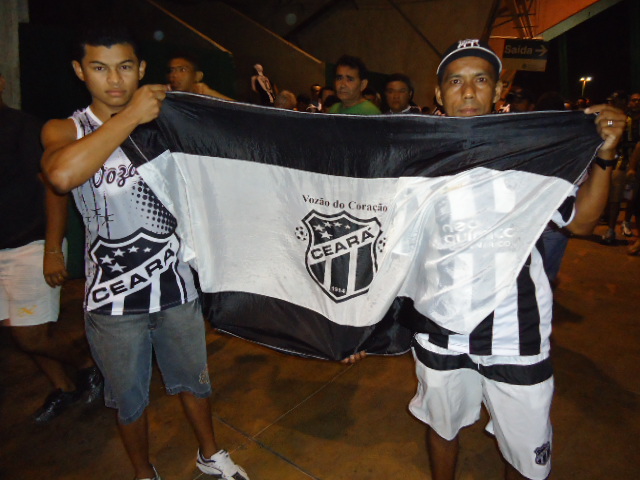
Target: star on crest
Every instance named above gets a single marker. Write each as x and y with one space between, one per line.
106 259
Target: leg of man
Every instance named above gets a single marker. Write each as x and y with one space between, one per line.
181 352
443 455
634 249
447 400
198 412
631 209
45 341
517 394
30 307
618 179
55 372
513 474
30 339
122 348
135 437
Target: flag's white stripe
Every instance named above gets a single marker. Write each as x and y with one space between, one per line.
239 219
504 195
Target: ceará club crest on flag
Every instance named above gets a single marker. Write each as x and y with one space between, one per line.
341 254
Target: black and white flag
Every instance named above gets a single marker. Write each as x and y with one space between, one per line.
316 233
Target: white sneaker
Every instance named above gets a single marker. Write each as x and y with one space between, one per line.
220 466
155 475
626 229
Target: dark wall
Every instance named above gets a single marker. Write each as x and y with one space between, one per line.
53 27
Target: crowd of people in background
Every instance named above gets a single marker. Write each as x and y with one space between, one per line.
352 93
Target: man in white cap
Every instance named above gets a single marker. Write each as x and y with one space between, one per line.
504 362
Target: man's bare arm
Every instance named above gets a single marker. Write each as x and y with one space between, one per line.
54 269
594 192
69 162
204 89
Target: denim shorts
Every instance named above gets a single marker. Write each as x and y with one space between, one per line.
122 347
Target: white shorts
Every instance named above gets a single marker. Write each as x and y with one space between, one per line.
517 392
25 297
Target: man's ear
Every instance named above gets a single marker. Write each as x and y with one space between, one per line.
77 68
199 76
142 68
496 97
363 84
439 95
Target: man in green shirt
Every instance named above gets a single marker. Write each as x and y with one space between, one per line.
351 80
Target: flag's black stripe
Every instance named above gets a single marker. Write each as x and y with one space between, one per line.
440 340
364 266
339 274
368 146
410 318
301 331
318 270
511 374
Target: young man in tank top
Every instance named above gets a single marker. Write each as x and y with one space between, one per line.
139 297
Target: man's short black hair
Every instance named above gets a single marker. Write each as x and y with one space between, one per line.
354 62
400 77
189 57
104 36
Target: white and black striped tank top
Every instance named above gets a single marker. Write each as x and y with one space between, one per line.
131 249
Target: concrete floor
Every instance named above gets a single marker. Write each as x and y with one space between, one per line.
288 418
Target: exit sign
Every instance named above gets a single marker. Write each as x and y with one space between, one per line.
528 55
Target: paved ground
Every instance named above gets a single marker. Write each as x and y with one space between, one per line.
286 418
